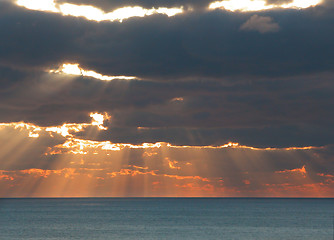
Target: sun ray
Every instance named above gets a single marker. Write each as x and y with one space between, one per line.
82 167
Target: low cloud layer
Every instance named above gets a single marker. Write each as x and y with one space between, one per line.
31 166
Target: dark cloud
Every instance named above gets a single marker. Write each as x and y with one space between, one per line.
282 136
35 39
262 113
208 44
265 90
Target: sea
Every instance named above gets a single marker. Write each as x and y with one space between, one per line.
166 218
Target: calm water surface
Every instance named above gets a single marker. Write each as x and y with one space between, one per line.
167 218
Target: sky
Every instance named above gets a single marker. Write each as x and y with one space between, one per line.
166 98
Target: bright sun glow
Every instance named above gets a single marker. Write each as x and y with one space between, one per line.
66 129
70 69
120 14
40 5
98 120
258 5
88 12
74 69
93 13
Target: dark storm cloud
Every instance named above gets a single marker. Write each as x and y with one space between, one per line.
212 45
155 47
280 112
35 39
205 103
282 137
264 90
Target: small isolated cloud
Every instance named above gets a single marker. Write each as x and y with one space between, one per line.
260 24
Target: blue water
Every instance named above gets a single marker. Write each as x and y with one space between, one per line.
167 218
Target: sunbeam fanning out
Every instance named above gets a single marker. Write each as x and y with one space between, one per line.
259 5
32 129
93 13
74 69
36 158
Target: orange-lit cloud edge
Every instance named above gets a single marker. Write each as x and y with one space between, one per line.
84 180
67 130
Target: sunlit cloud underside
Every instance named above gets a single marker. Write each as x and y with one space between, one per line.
93 13
96 14
74 69
259 5
53 161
